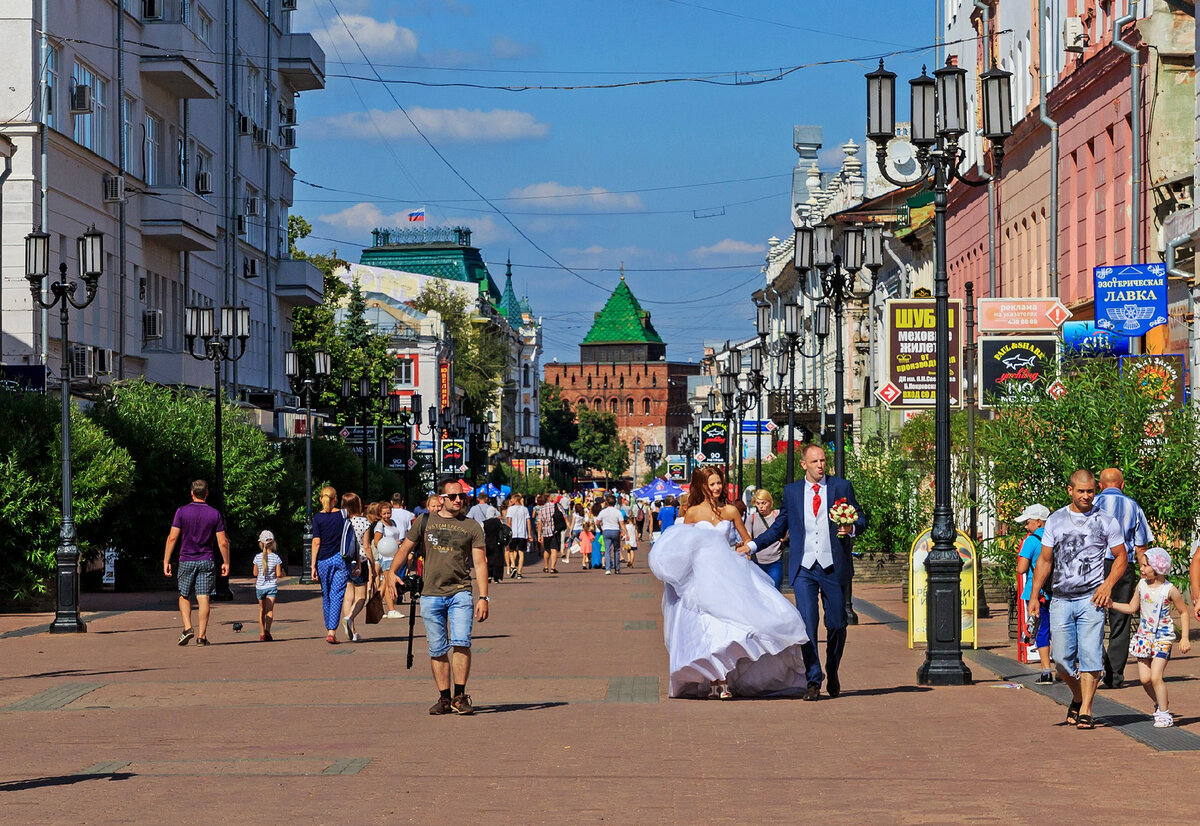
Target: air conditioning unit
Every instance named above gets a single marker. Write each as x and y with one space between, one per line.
152 325
287 5
81 100
252 205
245 127
287 115
260 135
83 361
152 9
114 189
104 361
250 268
204 183
241 225
1075 35
287 138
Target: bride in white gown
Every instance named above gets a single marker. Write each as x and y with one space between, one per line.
727 630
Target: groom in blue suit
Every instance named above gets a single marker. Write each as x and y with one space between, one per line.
818 562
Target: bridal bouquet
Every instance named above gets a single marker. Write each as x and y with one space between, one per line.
843 513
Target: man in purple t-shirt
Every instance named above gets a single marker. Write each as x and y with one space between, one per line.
200 530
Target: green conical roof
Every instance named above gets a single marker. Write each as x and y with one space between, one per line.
622 321
525 308
509 306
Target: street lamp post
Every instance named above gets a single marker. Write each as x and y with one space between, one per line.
364 400
306 383
832 277
939 120
37 268
218 346
791 330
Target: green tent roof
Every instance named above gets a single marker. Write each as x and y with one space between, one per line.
622 321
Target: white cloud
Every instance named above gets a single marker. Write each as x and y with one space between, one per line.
378 38
506 48
554 197
727 248
447 125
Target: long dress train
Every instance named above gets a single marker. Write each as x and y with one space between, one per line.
723 618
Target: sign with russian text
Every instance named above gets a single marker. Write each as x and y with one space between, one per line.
1130 299
714 441
454 453
1020 315
918 589
395 447
1015 369
677 468
443 386
1160 378
912 357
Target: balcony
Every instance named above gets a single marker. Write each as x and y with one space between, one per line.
173 59
178 219
299 283
301 62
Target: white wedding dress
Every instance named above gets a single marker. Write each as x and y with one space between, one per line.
723 618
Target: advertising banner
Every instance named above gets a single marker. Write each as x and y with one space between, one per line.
443 386
26 377
1020 315
454 454
395 448
1161 378
1130 299
911 357
677 468
918 590
1015 369
714 441
1083 339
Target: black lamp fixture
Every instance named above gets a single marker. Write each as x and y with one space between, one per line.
307 382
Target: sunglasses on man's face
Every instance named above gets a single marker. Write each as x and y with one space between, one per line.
454 496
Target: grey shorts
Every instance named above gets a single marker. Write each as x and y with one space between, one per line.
196 578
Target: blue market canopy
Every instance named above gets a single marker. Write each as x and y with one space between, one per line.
658 489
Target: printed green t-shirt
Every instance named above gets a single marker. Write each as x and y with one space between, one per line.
447 551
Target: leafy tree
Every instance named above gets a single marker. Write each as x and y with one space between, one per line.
480 351
556 418
598 446
31 491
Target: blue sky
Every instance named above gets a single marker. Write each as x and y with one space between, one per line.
684 182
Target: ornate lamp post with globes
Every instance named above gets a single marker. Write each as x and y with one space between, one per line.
307 383
37 268
227 344
939 120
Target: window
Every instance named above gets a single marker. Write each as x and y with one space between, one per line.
582 405
204 26
90 128
646 405
612 406
255 228
599 405
204 162
404 370
253 102
127 105
622 380
50 100
527 421
526 375
654 380
629 407
152 159
589 382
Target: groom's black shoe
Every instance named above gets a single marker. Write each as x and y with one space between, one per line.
813 692
833 686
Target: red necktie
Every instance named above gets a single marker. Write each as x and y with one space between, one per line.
816 500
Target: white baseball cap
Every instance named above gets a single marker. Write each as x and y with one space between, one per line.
1034 512
266 536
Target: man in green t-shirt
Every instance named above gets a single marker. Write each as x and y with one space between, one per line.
450 544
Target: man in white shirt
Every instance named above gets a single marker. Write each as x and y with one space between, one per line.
517 519
482 511
612 526
401 515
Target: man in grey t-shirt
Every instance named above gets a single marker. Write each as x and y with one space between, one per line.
1074 543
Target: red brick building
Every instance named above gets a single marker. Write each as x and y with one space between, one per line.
623 369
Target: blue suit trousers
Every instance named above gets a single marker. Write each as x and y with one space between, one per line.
808 584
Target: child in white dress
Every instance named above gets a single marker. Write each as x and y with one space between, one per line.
1151 643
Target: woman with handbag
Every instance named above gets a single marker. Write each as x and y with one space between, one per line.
359 575
760 517
328 567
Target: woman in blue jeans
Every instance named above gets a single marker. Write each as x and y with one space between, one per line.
328 567
760 517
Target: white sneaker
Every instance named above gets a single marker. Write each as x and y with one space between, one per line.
394 614
1163 719
607 573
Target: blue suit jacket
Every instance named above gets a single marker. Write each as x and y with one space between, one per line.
791 521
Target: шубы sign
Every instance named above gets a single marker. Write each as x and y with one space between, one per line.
911 356
1015 369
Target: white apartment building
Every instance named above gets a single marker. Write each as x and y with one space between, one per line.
178 145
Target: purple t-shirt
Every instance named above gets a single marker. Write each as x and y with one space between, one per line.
198 523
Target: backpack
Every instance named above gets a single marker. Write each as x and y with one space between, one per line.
349 545
505 535
560 521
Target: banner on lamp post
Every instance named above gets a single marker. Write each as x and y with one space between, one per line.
453 455
714 441
911 352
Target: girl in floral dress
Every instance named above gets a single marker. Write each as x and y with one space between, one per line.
1151 644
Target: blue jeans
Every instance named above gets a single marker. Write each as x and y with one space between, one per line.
1077 635
612 550
447 622
774 570
333 573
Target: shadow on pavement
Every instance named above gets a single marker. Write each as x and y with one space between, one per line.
59 780
506 707
76 672
876 692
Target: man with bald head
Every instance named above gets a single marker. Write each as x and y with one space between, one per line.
1074 543
1129 515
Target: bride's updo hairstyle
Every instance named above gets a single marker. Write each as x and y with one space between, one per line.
697 490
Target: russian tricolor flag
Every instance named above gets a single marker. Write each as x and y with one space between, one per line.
416 215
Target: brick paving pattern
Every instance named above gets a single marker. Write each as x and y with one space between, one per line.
120 725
